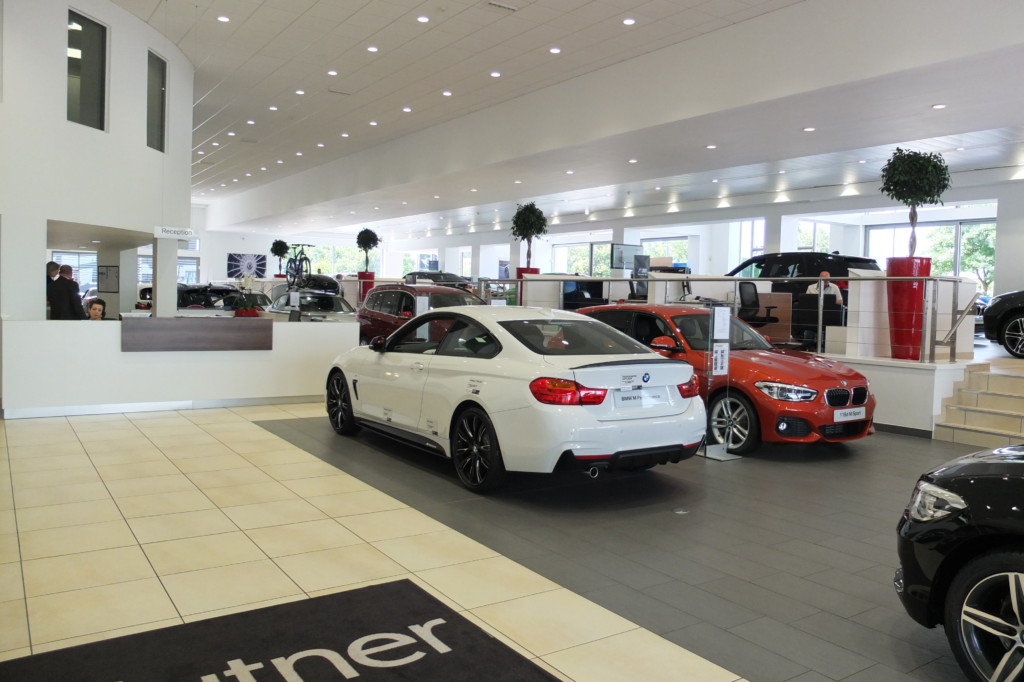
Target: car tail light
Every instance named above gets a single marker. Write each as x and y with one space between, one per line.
552 391
689 389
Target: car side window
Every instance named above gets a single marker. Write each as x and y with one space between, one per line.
406 305
423 337
649 327
388 303
614 318
372 301
468 340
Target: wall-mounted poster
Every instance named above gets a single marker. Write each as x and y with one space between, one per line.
242 264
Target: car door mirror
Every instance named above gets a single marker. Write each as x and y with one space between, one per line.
377 344
664 343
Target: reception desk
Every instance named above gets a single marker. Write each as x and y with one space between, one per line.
155 334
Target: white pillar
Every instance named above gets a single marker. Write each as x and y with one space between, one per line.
165 277
1009 238
129 276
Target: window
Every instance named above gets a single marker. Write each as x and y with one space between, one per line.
156 99
676 248
188 270
87 71
751 238
812 236
83 266
582 259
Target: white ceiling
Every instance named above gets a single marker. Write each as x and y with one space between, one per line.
270 48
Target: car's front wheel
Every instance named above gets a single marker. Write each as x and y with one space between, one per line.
475 451
339 405
1012 335
732 420
984 617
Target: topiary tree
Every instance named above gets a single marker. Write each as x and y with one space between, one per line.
280 249
528 222
915 179
366 240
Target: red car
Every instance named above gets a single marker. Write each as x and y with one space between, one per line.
388 306
768 394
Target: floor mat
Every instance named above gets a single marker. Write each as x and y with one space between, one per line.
392 631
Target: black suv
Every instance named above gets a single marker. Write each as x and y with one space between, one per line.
961 549
448 279
1003 320
801 264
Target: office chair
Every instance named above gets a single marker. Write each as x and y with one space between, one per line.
750 307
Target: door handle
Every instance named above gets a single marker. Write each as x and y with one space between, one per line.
417 366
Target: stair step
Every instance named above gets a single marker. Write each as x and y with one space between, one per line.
986 418
975 435
966 397
1006 384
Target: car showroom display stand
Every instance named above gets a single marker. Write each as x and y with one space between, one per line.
718 452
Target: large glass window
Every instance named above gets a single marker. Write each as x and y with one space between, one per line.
156 99
87 71
582 259
676 248
188 270
83 266
751 238
812 236
960 249
334 260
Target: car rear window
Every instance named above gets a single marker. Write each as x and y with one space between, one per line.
572 337
453 298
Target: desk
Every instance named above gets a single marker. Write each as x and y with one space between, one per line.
154 334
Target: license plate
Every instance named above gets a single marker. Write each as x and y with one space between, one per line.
849 414
642 398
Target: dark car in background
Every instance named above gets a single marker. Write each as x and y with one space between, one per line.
447 279
961 550
311 305
801 264
388 306
1003 321
189 295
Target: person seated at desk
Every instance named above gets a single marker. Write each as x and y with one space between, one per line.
830 288
97 309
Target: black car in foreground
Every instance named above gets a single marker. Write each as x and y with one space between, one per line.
961 549
1004 322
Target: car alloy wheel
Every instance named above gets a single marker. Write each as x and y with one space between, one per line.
984 617
475 451
339 405
1012 336
732 420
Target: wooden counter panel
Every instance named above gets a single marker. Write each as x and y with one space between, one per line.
161 334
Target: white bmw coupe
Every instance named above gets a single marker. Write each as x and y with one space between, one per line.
499 389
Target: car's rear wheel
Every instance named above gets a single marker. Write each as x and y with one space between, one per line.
339 405
984 618
733 421
1012 335
475 451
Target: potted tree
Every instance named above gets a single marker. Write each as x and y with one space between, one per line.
366 240
280 249
913 179
527 223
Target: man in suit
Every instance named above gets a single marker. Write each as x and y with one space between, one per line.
65 299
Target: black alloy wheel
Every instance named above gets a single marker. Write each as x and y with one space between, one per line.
339 405
732 420
1012 335
475 451
984 618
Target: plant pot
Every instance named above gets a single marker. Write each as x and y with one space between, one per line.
519 275
247 312
906 305
280 276
365 284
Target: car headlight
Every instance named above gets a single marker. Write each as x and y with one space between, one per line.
787 392
931 503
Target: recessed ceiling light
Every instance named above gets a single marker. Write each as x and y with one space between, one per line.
555 50
251 122
300 92
938 106
862 161
407 109
320 144
711 146
446 93
518 182
715 180
632 160
472 189
234 179
782 172
629 21
272 107
216 144
298 153
248 175
280 161
959 149
263 168
371 48
373 123
344 134
200 152
96 241
495 74
224 20
569 172
437 196
332 72
423 20
809 129
223 184
231 133
213 189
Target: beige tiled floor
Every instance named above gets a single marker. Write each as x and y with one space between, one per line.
114 524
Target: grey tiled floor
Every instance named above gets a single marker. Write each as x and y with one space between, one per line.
777 566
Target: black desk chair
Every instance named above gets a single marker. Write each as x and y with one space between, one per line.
750 307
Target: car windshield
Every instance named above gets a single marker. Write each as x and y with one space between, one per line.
741 337
572 337
453 298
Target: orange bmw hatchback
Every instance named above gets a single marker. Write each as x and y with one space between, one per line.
768 394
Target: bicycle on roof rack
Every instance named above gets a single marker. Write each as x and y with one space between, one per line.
298 268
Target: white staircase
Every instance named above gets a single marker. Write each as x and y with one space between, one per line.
986 410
